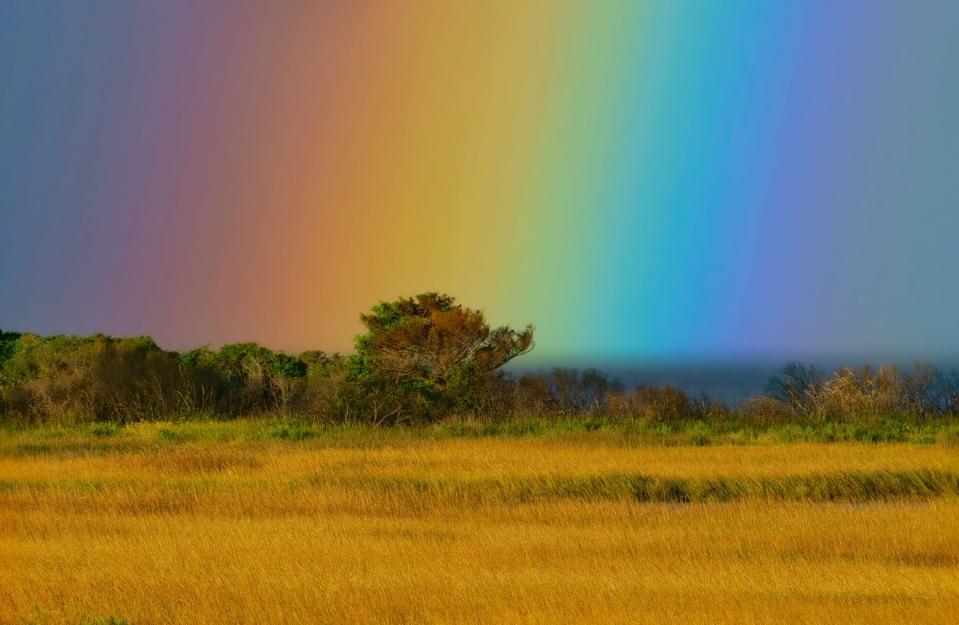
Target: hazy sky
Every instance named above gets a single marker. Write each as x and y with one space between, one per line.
639 179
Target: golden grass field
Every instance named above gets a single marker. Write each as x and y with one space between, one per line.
478 530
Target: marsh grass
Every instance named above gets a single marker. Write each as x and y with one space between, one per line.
111 437
847 486
239 522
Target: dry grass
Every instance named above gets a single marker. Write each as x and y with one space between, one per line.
496 530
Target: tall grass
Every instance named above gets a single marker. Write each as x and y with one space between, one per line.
235 522
110 437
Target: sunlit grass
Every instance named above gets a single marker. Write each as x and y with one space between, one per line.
212 523
109 437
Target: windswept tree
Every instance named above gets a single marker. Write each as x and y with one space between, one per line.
435 348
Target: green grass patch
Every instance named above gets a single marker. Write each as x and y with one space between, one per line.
839 487
105 429
105 438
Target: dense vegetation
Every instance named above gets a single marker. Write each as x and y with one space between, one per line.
421 360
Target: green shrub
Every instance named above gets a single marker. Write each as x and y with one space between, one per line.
291 431
105 429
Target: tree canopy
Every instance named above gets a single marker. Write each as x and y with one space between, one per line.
430 343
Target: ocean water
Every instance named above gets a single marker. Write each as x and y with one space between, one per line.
729 382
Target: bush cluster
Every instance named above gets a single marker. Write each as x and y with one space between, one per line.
866 392
421 360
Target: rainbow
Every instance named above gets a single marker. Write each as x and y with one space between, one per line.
638 179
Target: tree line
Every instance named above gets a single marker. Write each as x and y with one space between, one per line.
420 359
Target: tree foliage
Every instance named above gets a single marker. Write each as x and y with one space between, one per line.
434 347
420 359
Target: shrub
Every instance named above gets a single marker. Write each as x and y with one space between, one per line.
796 386
245 378
661 404
765 411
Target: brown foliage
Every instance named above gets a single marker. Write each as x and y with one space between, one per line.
433 346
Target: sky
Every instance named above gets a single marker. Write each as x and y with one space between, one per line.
640 180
